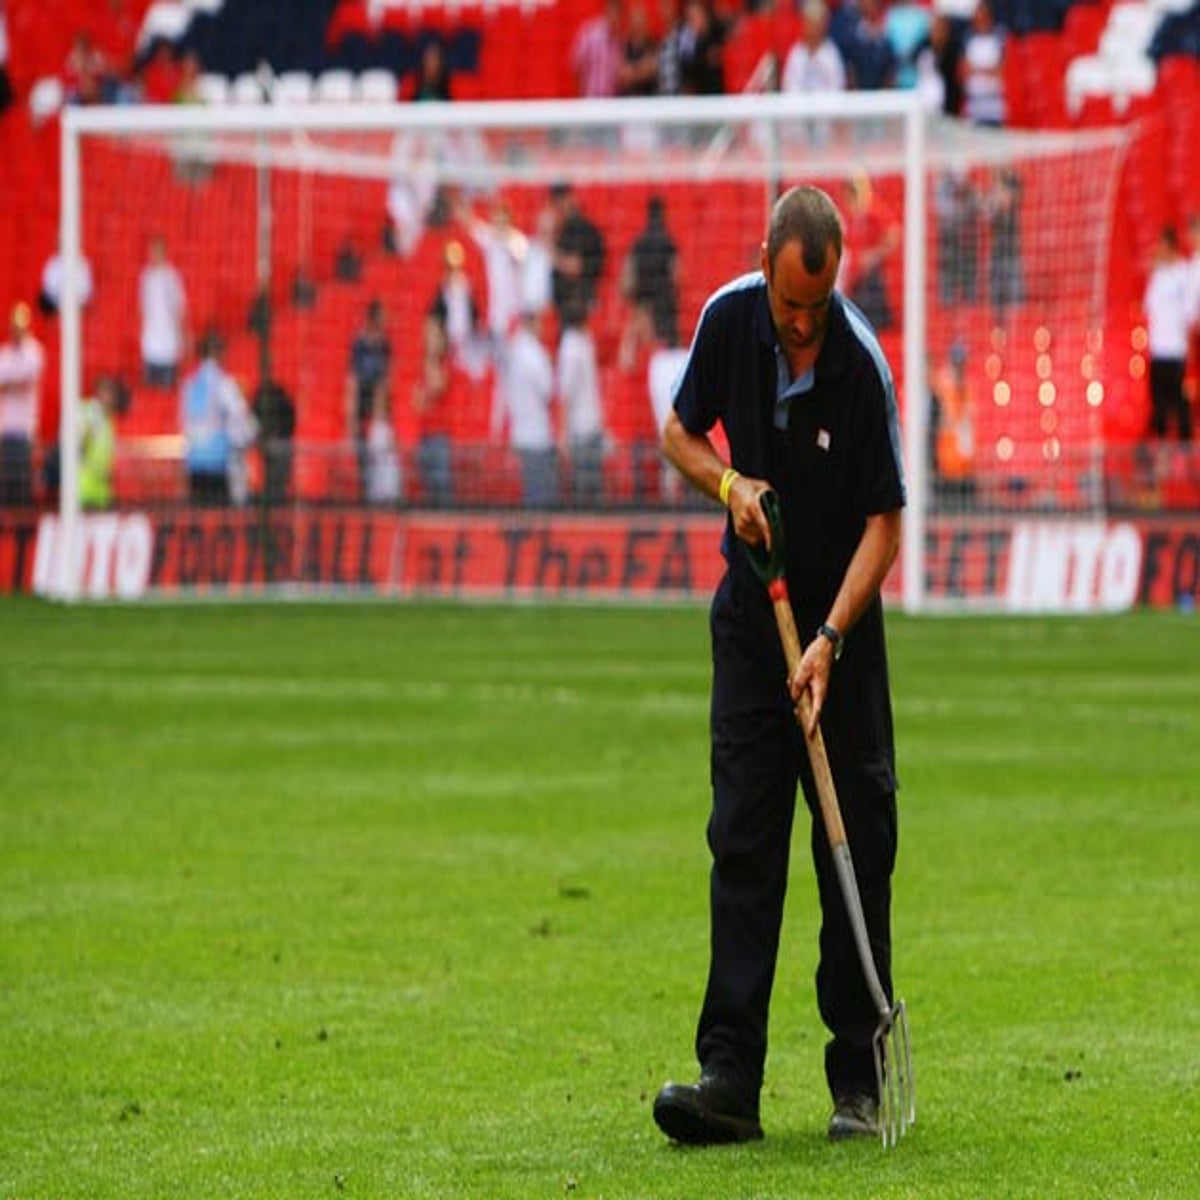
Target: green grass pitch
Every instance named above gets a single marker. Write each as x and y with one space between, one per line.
410 901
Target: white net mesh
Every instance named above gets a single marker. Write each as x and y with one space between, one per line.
610 224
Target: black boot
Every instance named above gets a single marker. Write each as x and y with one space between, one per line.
706 1113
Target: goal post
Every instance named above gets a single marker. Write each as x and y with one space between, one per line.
281 223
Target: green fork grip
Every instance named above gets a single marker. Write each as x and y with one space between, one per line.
769 565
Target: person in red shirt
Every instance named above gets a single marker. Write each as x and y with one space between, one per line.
874 233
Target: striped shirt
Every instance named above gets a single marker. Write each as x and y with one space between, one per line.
596 56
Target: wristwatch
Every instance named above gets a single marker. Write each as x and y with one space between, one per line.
835 637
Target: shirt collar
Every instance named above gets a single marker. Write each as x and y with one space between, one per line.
832 359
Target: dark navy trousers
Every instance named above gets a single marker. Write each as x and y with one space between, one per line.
758 758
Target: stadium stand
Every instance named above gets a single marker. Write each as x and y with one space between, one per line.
1069 64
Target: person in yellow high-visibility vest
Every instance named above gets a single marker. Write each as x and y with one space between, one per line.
98 445
953 428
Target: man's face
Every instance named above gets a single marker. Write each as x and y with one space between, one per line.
799 301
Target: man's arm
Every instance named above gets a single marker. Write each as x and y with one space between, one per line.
696 459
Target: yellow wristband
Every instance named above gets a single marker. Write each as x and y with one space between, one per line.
727 481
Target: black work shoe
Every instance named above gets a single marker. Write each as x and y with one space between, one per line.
706 1113
854 1117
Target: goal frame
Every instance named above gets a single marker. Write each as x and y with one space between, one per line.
79 123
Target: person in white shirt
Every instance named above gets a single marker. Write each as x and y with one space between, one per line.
814 63
583 420
454 305
384 479
22 362
50 295
596 52
537 267
529 396
162 303
814 66
218 427
1168 323
981 69
503 248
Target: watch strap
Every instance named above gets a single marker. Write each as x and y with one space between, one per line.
834 635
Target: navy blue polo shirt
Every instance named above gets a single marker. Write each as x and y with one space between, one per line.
370 359
829 446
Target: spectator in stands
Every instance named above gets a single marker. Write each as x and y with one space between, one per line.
937 67
579 257
529 396
867 51
162 302
433 73
702 50
158 76
367 380
578 383
1167 304
455 306
875 234
597 53
433 404
1006 274
218 427
959 212
814 63
504 248
22 362
638 72
814 66
50 292
86 78
98 442
650 274
952 428
384 480
275 412
537 267
579 263
627 402
981 68
669 47
187 79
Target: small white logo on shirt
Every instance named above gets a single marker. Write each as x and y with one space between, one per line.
823 439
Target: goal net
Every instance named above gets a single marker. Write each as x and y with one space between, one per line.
426 349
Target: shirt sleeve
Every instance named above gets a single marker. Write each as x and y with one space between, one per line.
698 396
880 484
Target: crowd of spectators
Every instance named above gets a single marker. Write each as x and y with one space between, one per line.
543 282
955 63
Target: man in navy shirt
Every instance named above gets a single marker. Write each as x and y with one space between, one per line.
796 376
367 379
